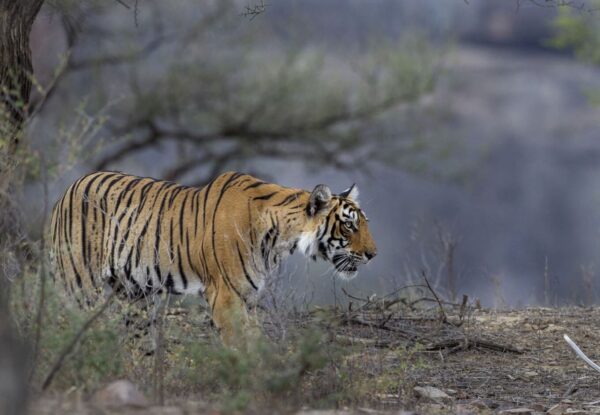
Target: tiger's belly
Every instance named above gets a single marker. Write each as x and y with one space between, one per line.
147 280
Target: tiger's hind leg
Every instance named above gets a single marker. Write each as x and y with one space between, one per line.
236 326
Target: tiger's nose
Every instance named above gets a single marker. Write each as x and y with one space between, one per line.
370 254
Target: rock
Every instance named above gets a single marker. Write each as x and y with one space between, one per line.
196 407
431 408
163 410
432 394
466 409
369 411
558 409
538 407
479 404
118 394
517 411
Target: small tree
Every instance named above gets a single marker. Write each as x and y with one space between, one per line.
16 19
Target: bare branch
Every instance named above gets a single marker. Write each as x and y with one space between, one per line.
252 11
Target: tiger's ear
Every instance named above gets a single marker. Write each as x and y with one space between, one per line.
351 193
319 199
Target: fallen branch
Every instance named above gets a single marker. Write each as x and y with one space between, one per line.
582 355
352 341
466 343
360 322
427 299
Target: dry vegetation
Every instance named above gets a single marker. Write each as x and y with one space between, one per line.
371 354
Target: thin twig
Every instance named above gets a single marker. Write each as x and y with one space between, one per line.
443 316
366 300
464 343
251 11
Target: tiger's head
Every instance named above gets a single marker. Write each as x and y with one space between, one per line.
338 231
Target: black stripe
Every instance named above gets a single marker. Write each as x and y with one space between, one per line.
241 182
170 285
208 187
254 185
104 212
184 279
299 206
158 229
325 227
125 191
102 228
77 276
204 227
246 274
85 254
114 182
70 222
252 240
105 177
290 198
268 242
187 250
144 195
174 194
212 306
181 216
224 188
158 274
195 211
128 227
265 197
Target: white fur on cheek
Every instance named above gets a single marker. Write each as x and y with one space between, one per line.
306 243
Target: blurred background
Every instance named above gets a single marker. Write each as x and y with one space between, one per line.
471 128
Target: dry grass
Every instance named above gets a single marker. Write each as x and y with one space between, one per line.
368 355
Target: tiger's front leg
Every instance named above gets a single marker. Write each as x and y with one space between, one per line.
229 313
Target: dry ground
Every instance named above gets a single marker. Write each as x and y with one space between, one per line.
486 361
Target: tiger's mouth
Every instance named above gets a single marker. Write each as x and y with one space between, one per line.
346 265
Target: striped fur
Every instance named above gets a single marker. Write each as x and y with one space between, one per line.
220 241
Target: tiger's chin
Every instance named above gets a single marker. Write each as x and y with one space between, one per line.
346 267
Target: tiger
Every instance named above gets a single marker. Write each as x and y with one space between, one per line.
145 236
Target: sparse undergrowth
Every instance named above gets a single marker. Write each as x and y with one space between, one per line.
372 356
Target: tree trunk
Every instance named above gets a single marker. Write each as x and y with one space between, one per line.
16 20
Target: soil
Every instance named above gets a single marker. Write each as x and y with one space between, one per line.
486 361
